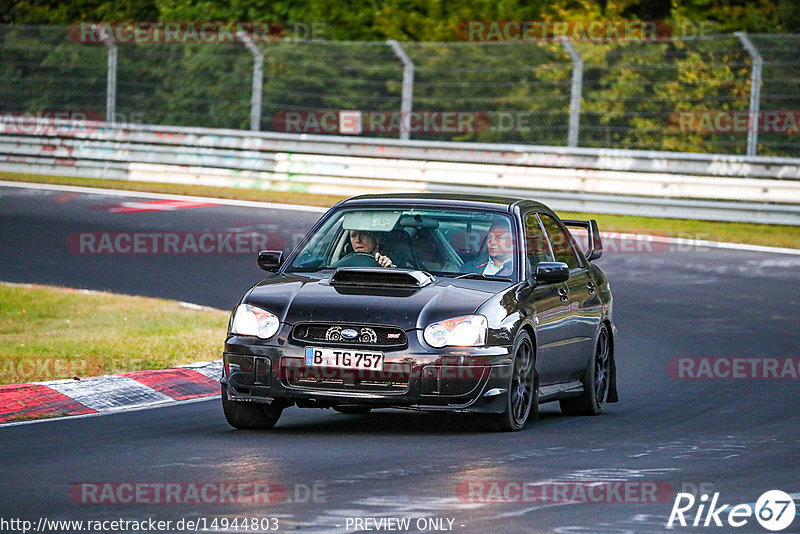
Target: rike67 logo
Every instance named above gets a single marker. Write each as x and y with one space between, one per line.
774 510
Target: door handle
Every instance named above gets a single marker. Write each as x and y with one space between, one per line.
563 293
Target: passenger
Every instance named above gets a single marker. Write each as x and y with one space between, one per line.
498 260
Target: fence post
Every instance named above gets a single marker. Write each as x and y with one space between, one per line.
408 88
111 75
755 93
258 79
577 90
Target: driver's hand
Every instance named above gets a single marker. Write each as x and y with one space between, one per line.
383 261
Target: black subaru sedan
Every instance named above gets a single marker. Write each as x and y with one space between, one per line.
473 304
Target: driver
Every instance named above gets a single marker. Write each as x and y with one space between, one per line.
369 243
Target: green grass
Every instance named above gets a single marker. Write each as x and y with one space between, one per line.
48 333
771 235
259 195
755 234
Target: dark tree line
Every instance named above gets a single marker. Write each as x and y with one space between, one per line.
414 20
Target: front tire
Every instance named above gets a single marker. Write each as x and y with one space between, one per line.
595 380
249 415
523 396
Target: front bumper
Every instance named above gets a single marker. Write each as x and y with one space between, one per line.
473 379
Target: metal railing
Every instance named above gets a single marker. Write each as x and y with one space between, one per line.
582 94
734 188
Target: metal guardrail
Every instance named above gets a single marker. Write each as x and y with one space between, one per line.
662 184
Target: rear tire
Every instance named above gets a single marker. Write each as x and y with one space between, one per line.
595 380
250 415
522 401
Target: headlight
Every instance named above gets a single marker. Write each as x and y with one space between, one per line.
248 320
468 331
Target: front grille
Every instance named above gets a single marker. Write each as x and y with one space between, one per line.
351 335
392 380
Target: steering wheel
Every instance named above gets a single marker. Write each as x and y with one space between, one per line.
357 259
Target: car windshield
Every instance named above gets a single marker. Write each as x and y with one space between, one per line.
441 242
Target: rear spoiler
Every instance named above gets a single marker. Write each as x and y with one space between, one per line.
595 246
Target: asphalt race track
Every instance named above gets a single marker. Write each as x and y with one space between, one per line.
738 437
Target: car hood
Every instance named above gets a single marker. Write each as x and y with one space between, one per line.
296 299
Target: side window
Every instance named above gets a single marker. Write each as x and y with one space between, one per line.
324 246
560 241
536 247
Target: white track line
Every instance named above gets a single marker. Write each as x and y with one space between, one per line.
162 196
292 207
755 248
110 411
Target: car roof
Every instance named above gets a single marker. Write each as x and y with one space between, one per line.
444 199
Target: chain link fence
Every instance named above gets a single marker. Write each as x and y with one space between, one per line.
780 89
709 94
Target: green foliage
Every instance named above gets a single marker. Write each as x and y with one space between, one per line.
60 12
189 85
44 70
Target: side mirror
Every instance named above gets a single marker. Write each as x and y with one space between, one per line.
270 260
550 272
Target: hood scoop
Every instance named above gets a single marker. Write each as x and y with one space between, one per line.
380 277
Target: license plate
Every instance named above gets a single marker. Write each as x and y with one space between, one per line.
344 358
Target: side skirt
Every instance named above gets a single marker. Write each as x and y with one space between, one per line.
560 391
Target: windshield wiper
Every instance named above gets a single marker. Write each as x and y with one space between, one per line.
308 270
